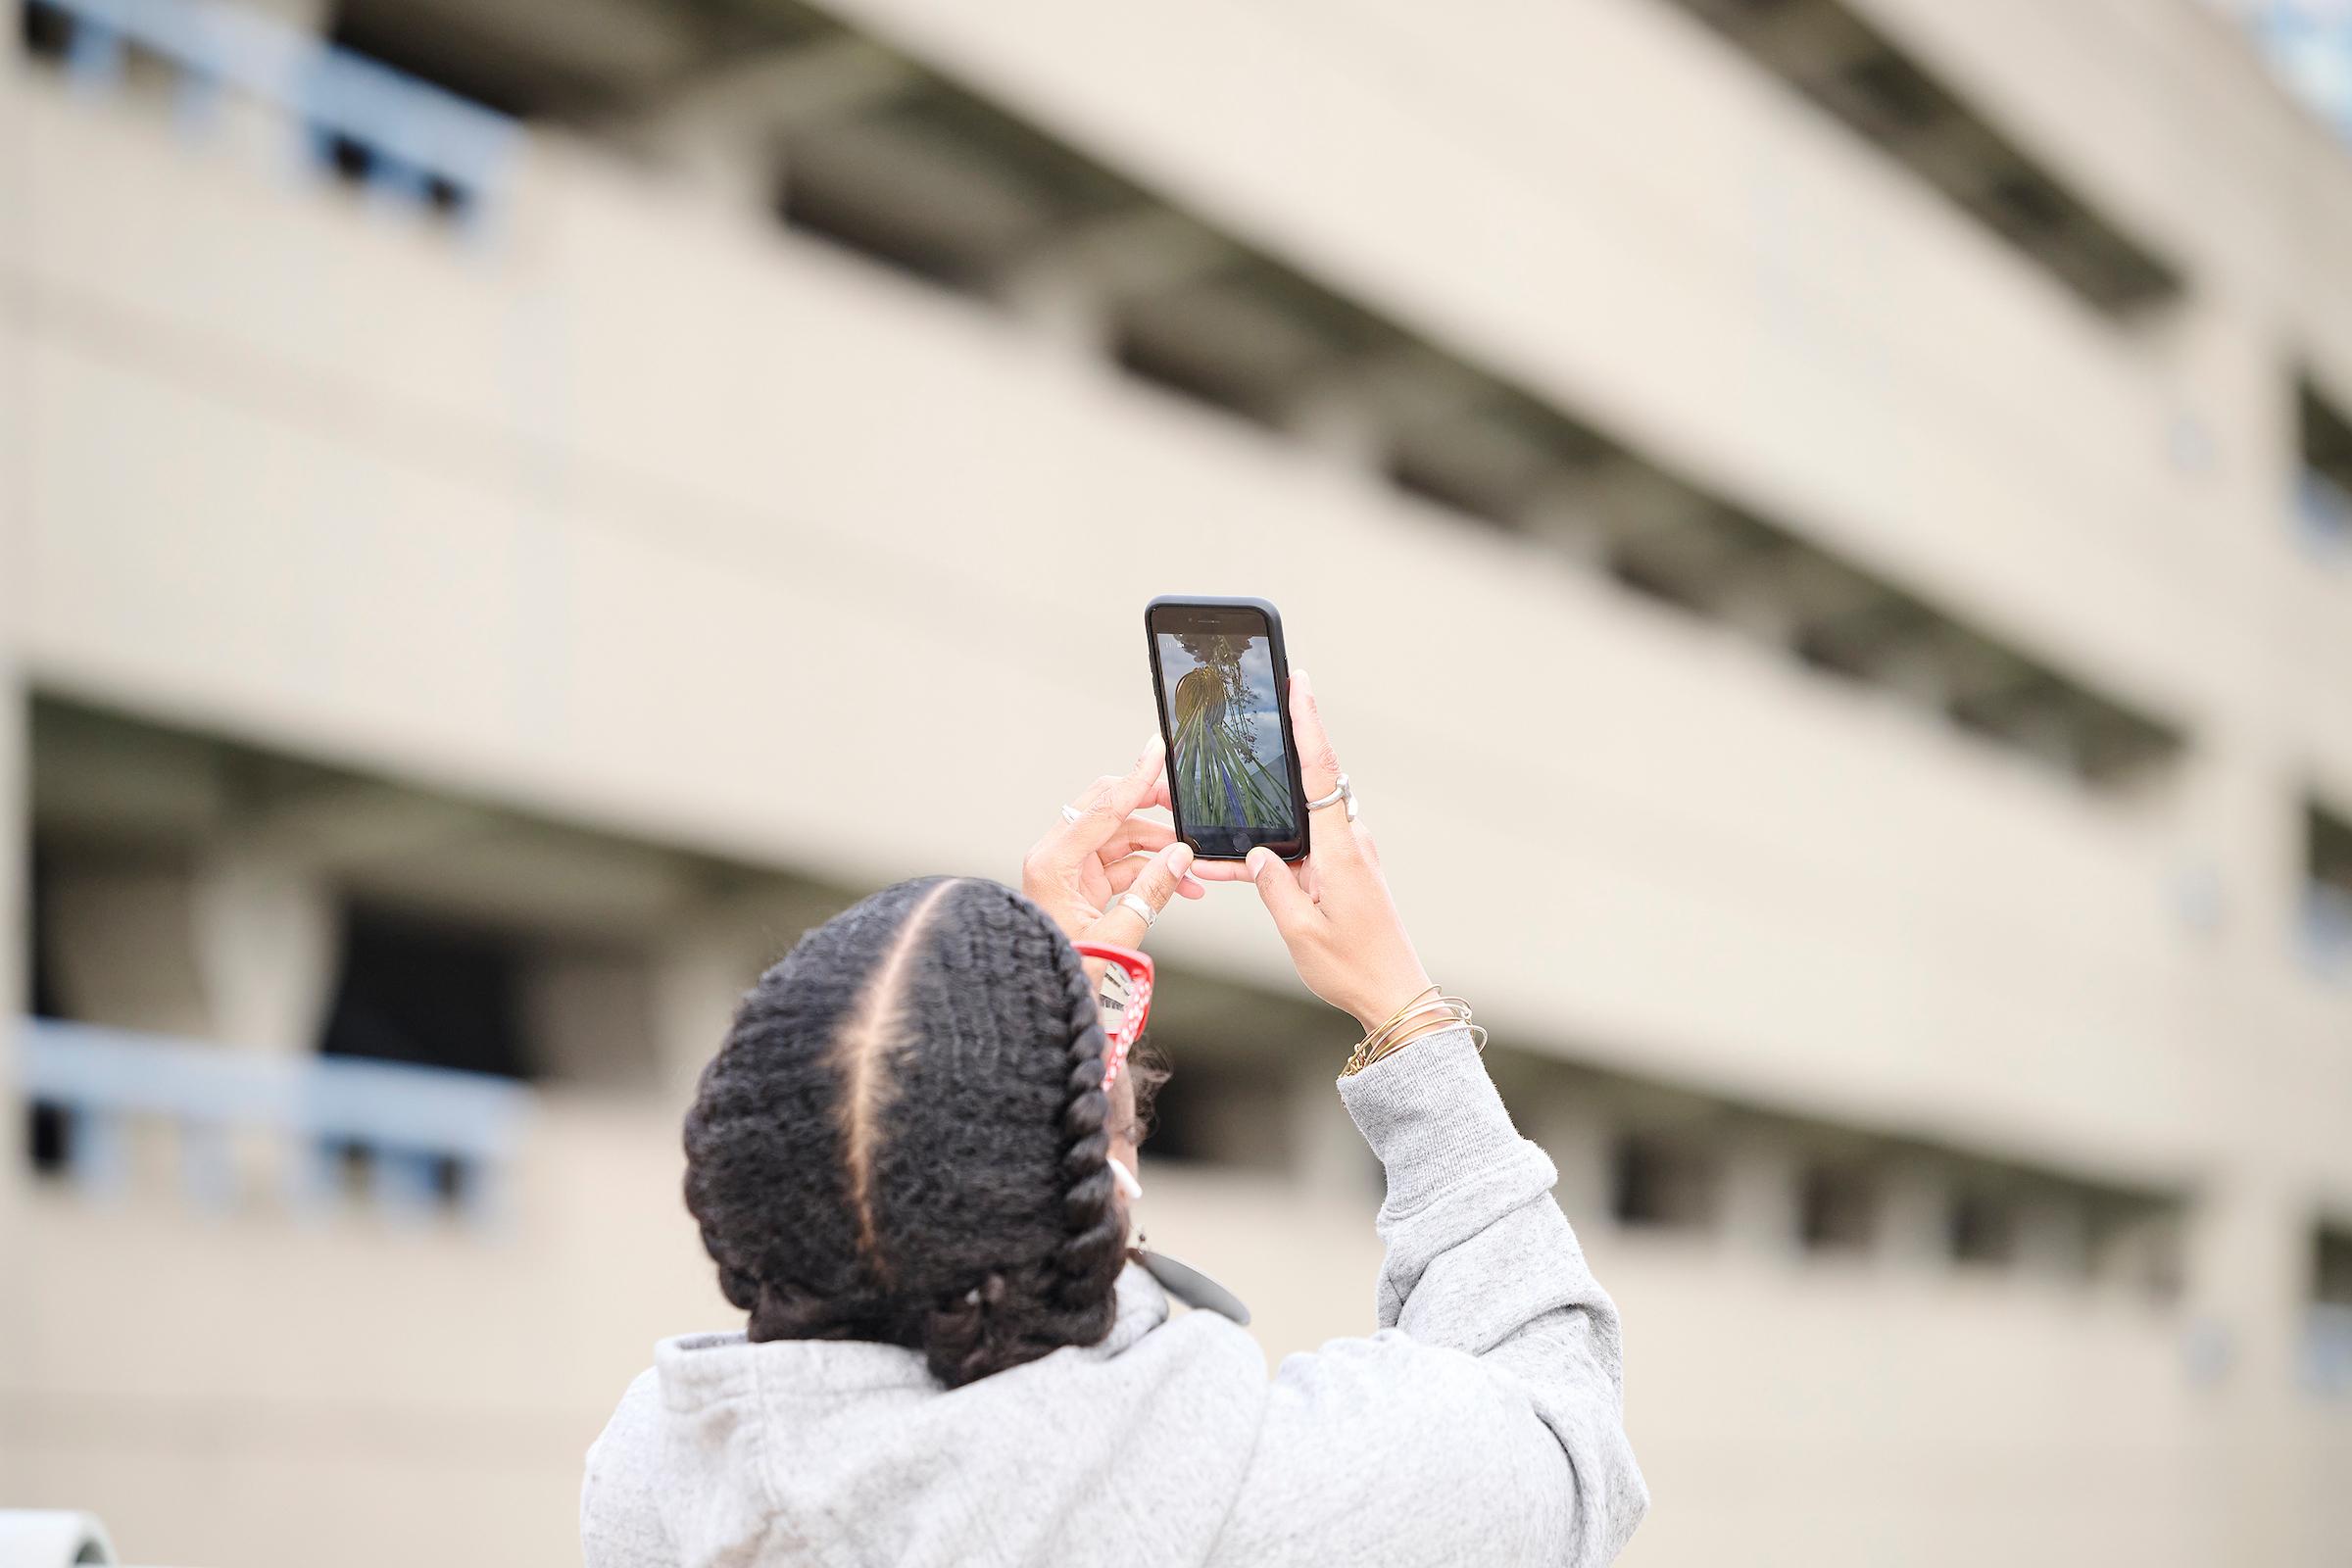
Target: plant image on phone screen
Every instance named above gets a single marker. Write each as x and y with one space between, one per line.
1229 762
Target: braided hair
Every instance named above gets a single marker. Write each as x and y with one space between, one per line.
906 1137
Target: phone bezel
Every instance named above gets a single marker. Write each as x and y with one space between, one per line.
1293 846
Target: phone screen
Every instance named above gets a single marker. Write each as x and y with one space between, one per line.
1230 769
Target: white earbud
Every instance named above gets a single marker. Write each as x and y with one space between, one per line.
1120 1174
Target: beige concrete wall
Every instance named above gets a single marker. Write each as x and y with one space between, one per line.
727 486
637 515
1609 199
320 1381
14 476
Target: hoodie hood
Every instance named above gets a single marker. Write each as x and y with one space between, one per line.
840 1452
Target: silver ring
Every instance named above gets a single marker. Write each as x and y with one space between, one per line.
1071 813
1149 914
1338 794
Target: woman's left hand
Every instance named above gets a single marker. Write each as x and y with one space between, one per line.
1077 871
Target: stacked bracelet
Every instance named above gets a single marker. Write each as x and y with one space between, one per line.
1404 1026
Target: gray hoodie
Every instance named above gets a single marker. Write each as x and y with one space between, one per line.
1482 1424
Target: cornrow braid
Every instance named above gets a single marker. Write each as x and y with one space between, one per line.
1096 1248
904 1135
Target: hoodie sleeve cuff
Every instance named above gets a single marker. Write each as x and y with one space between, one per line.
1431 1116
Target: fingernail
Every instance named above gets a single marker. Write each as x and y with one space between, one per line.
1258 861
1180 857
1151 747
1299 682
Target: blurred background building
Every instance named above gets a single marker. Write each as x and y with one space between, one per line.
1824 530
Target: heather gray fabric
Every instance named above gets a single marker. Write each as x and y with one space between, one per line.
1482 1424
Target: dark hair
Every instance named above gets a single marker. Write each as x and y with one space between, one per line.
904 1136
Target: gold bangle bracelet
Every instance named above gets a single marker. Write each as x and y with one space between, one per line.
1406 1025
1371 1044
1421 1029
1380 1044
1371 1041
1436 1022
1409 1002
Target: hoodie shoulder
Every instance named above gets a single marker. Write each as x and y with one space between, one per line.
620 1515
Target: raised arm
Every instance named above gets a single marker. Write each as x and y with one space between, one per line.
1484 1422
1479 1262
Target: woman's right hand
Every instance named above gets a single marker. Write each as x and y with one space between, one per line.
1334 912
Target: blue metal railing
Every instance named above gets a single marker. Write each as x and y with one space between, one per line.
2325 508
2328 927
2328 1347
423 1136
2309 44
403 138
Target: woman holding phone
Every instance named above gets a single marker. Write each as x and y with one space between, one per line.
912 1162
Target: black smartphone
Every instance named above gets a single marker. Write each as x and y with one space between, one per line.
1223 683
